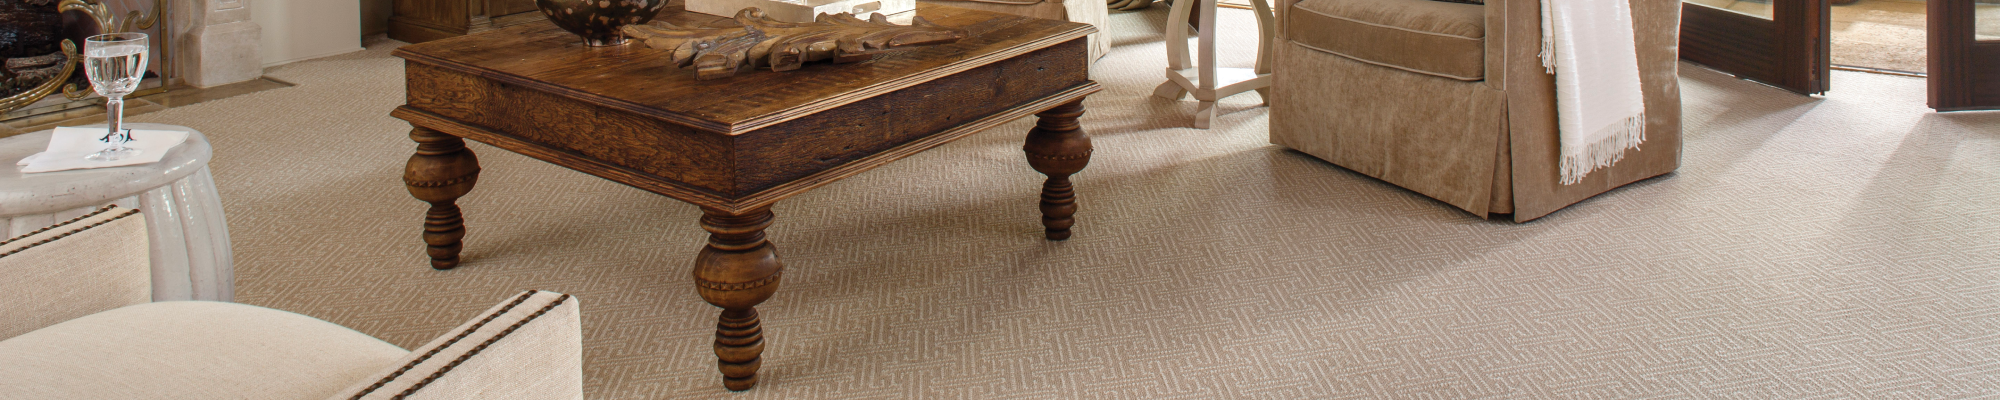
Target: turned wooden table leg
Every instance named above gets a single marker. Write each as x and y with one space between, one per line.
1057 147
737 270
442 171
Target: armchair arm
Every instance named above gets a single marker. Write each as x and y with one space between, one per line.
1514 34
1657 27
96 262
1278 10
530 347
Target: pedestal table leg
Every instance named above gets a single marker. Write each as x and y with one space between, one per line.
737 270
1057 147
441 172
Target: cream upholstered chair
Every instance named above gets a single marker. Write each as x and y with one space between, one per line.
78 324
1093 12
1451 100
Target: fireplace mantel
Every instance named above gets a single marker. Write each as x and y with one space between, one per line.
216 42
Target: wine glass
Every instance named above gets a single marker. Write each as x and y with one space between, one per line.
115 62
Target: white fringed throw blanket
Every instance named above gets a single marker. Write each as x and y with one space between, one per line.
1600 108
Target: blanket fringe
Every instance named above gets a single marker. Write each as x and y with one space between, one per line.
1548 53
1605 152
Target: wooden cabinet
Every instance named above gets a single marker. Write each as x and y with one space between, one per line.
418 21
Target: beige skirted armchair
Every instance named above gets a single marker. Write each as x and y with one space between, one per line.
1451 100
1093 12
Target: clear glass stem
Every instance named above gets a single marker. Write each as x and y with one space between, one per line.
115 110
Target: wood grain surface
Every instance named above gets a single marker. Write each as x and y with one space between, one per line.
1789 51
737 144
1964 72
822 128
714 200
641 80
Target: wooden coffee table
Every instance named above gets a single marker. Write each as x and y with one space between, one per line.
734 146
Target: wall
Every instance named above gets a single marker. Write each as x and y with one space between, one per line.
297 30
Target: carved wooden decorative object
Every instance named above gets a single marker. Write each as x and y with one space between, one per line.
784 46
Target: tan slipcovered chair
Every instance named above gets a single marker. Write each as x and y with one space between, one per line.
78 324
1093 12
1451 100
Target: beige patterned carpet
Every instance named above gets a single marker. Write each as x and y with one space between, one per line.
1809 248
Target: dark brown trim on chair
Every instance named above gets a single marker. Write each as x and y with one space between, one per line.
447 344
64 234
482 346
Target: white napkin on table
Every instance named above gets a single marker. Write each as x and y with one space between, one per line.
68 146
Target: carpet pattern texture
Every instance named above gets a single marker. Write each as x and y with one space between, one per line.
1843 247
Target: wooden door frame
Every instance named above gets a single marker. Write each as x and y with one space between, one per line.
1956 60
1751 48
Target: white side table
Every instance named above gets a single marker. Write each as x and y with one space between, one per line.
190 240
1206 82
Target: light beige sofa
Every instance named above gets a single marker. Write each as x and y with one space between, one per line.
1093 12
78 324
1451 100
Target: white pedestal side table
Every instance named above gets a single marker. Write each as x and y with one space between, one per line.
190 240
1204 80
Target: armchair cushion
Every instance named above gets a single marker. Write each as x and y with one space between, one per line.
1428 37
189 350
79 267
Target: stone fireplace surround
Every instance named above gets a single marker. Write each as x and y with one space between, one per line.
215 42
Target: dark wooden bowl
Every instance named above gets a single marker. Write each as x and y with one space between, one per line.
597 21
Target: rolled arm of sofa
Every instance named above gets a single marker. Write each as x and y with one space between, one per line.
529 347
93 263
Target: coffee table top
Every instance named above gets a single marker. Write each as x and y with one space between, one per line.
642 80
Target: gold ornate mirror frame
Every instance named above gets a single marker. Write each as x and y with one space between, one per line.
73 58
